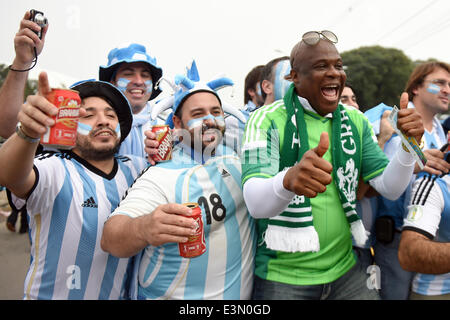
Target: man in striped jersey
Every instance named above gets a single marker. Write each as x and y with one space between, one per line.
302 158
151 216
425 240
70 194
135 73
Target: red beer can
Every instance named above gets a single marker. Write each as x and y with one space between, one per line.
164 137
196 245
63 134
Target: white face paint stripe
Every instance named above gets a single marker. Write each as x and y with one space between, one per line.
194 123
83 128
122 84
433 88
119 134
149 85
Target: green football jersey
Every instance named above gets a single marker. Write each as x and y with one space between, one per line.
263 139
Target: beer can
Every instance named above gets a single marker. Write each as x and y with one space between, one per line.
164 137
196 245
63 134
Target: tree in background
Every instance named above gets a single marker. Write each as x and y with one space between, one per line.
377 74
30 88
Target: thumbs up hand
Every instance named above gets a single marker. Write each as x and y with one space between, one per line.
312 174
409 120
36 113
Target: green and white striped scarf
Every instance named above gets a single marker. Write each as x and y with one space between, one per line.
293 230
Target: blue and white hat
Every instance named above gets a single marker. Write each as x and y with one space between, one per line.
190 84
186 85
92 88
127 54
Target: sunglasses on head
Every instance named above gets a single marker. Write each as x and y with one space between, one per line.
313 37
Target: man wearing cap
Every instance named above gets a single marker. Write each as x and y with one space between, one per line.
69 194
152 218
135 73
302 158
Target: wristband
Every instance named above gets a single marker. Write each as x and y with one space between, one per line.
24 136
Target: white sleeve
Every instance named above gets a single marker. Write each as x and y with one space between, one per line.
396 176
427 204
142 197
266 198
50 177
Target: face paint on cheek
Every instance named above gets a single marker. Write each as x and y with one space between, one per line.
149 85
433 88
220 121
281 85
194 123
122 84
119 134
197 122
84 129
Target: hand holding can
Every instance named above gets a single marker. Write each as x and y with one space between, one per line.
196 244
64 133
164 138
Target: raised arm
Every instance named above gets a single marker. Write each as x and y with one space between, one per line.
17 153
12 91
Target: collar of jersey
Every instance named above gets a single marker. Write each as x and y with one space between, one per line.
197 156
93 169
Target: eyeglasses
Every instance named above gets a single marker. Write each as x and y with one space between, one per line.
439 82
313 37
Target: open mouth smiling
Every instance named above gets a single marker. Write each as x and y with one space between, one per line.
330 92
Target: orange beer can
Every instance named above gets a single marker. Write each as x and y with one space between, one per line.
63 134
196 244
164 137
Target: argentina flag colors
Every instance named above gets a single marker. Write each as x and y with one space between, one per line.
225 270
67 208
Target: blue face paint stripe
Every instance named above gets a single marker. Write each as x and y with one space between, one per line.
281 85
83 128
149 85
193 123
122 84
433 88
118 132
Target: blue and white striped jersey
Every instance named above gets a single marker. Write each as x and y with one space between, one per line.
235 131
429 214
67 208
225 270
134 142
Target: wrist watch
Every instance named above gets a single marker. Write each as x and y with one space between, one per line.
24 136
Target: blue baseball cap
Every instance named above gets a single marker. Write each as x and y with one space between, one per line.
128 54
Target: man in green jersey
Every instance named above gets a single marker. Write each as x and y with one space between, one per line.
306 225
